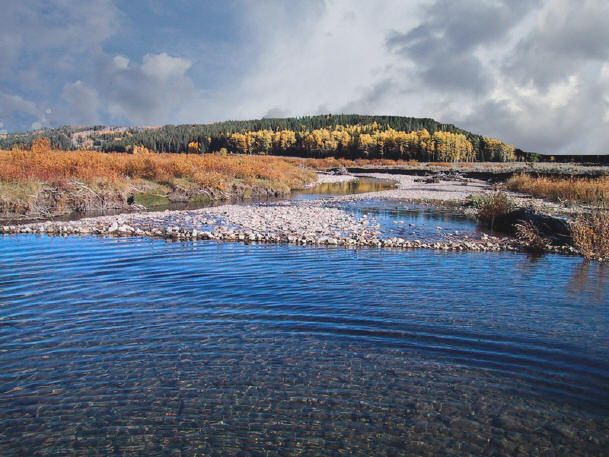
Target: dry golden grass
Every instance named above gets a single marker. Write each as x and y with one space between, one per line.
580 190
441 164
333 162
42 182
591 235
205 170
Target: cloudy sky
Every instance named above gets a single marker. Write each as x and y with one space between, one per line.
531 72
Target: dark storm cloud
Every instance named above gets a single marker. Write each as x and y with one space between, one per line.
443 46
570 35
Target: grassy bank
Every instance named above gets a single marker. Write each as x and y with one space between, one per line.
573 190
499 170
36 184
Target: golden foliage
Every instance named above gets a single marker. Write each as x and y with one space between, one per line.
41 145
370 140
140 150
498 151
194 147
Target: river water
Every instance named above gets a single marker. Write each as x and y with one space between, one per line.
134 346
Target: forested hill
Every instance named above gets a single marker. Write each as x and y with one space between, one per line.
310 136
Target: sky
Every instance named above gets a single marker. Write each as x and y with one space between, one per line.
534 73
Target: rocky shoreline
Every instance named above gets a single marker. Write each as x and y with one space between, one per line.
301 224
319 223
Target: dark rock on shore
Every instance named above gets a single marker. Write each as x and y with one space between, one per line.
556 230
338 171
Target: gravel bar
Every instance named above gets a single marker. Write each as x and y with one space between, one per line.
318 222
303 223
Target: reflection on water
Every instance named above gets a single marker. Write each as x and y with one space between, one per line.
135 346
360 186
591 279
162 203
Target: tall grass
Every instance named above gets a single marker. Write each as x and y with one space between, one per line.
64 181
531 236
591 235
206 170
491 206
580 190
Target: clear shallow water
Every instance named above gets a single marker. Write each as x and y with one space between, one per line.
362 185
412 221
135 346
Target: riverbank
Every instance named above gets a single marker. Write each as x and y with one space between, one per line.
58 183
323 221
494 171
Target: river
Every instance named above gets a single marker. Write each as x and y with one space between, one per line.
134 346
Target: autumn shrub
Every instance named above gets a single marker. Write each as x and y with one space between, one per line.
56 166
492 205
41 145
440 164
591 235
528 233
580 190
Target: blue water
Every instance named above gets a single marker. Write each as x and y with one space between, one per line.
415 221
143 347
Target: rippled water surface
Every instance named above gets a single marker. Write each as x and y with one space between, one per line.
145 347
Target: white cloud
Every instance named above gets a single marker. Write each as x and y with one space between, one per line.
155 91
164 67
481 64
321 64
121 62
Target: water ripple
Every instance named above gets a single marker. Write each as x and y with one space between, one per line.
108 325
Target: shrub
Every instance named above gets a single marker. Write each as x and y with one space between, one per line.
41 145
591 235
490 206
528 233
67 172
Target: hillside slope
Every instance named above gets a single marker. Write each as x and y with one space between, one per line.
345 135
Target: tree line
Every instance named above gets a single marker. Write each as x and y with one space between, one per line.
370 142
350 136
